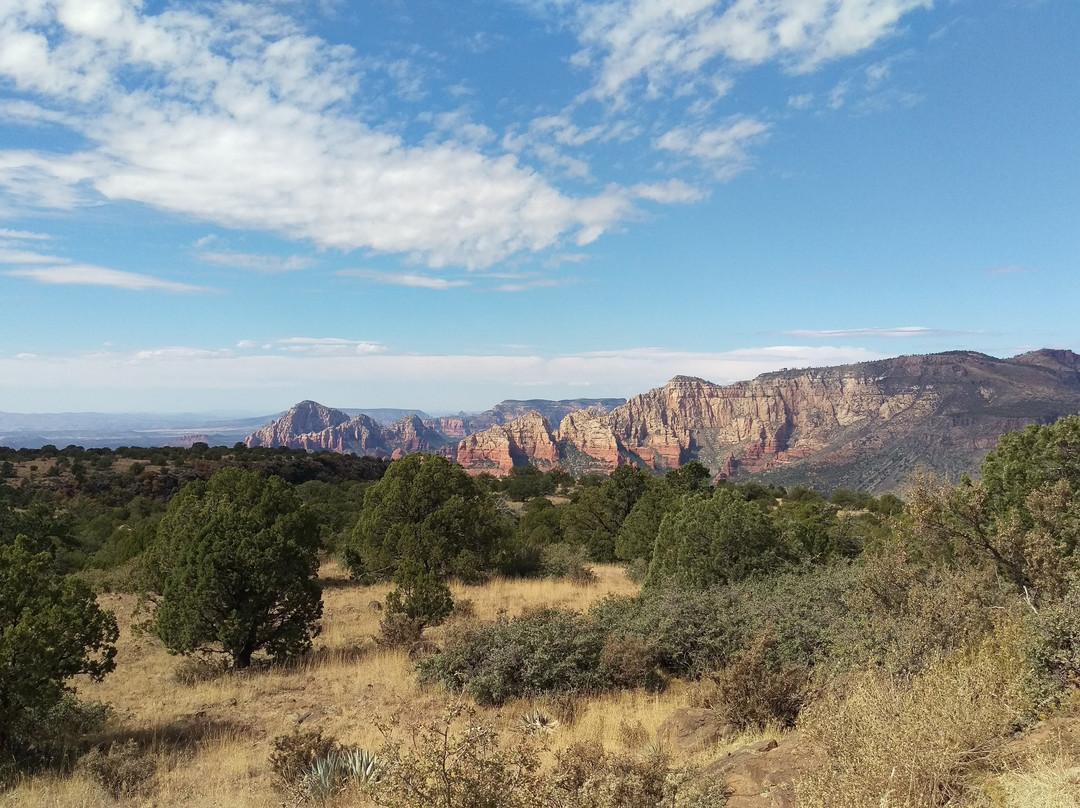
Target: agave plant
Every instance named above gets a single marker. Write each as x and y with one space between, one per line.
332 773
537 722
360 766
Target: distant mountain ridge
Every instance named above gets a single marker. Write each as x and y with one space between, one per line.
866 426
311 426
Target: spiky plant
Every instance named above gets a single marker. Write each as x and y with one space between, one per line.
334 772
537 722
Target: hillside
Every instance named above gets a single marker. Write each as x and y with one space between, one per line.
864 426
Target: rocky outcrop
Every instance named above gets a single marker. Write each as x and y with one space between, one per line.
525 441
864 426
411 435
305 418
361 435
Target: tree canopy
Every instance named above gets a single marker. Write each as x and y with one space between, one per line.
235 565
429 513
51 629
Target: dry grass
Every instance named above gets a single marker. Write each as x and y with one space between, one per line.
917 744
1046 782
212 739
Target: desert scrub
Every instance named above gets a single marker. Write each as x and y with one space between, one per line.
548 651
124 770
754 691
891 741
456 762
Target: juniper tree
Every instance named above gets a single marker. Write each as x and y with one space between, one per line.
235 565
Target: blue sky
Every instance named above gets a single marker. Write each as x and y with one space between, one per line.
391 203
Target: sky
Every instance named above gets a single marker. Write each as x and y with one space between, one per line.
441 204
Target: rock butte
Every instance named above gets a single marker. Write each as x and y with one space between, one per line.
868 425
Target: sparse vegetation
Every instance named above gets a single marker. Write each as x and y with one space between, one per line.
911 645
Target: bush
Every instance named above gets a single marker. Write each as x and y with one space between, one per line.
294 755
124 771
397 630
753 692
447 765
904 615
51 629
632 662
569 561
691 632
549 651
1053 647
196 670
915 742
420 596
594 778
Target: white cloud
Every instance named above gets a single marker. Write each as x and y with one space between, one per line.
404 279
8 256
329 346
88 275
23 235
659 42
247 122
536 283
723 148
256 262
176 378
903 332
668 192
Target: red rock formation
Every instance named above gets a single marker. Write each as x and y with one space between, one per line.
881 419
588 432
306 417
527 440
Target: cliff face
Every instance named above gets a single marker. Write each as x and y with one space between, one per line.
306 417
527 440
315 428
861 426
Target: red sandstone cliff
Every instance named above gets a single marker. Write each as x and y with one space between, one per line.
527 440
867 425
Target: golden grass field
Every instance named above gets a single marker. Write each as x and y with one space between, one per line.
211 741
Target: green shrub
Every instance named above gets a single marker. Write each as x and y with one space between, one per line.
397 630
1053 648
124 770
570 561
294 755
420 596
548 651
903 615
754 692
690 631
51 629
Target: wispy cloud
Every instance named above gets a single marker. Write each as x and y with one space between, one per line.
903 332
537 283
404 279
174 377
23 235
256 262
329 346
246 121
631 43
8 256
89 275
724 148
